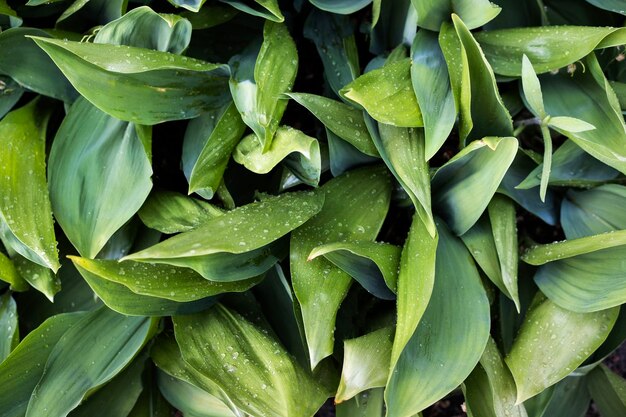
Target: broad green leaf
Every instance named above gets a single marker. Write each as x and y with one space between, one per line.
256 372
9 332
547 47
542 254
608 391
475 13
144 28
238 232
99 176
571 96
416 277
121 298
595 211
463 187
297 151
387 95
267 9
209 141
374 265
567 398
571 166
545 342
191 400
9 274
84 14
193 5
81 360
118 396
366 404
27 64
431 84
355 207
403 150
365 363
22 369
158 86
450 337
340 6
481 109
343 120
490 390
161 281
259 80
334 40
170 212
25 215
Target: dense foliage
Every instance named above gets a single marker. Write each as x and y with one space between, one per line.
246 207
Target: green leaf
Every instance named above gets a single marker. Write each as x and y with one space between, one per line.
267 9
595 211
416 277
238 232
608 391
567 398
99 176
463 187
158 86
355 207
209 16
403 150
431 84
8 273
27 64
365 363
340 6
374 265
191 400
111 288
25 215
545 340
9 332
532 89
570 124
144 28
387 95
161 281
334 39
23 368
255 371
170 212
298 152
209 141
81 360
366 404
481 109
39 277
9 17
343 120
193 5
439 357
10 94
547 47
343 156
259 81
490 390
432 13
84 14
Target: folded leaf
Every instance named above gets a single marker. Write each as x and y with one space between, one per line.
170 212
297 151
99 176
81 360
25 215
255 371
450 337
545 341
547 47
259 79
387 95
158 86
463 187
209 141
365 363
355 207
432 13
374 265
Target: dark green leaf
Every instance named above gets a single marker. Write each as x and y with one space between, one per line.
608 391
475 13
9 332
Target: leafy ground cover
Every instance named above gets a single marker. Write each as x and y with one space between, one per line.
294 208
